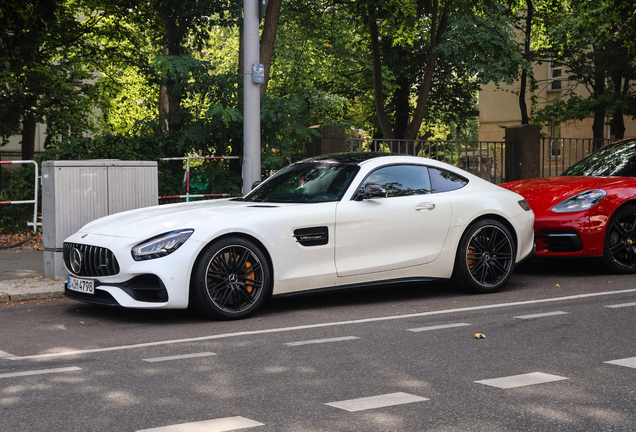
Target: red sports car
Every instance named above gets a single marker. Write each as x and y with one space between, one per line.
590 210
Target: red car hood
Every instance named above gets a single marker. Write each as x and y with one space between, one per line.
544 193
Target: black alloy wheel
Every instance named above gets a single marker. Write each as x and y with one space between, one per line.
619 254
230 280
485 257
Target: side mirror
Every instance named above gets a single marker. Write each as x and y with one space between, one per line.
256 183
372 190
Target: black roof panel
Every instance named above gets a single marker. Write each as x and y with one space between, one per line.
347 158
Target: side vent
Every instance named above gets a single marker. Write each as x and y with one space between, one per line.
315 236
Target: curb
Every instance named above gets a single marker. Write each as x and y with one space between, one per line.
30 289
14 298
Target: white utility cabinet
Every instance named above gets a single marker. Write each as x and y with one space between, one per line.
77 192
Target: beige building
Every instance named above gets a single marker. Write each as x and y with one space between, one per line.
13 149
568 143
499 107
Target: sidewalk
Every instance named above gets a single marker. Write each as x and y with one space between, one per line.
22 276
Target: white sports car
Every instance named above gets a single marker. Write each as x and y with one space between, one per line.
330 222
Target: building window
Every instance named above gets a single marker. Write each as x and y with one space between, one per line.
554 77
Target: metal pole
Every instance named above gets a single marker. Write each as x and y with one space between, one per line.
251 98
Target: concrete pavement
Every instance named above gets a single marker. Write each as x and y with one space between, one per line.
22 276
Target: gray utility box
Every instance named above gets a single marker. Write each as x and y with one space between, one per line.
77 192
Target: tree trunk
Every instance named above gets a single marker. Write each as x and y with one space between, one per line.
526 54
268 38
401 101
29 127
163 102
171 47
599 112
173 121
425 87
378 86
618 119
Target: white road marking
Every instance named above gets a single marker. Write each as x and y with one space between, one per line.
321 341
216 425
313 326
5 354
521 380
39 372
627 362
541 315
438 327
374 402
621 305
178 357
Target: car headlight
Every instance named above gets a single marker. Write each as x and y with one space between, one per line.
161 245
583 201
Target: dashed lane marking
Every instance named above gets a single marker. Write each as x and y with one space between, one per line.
321 341
216 425
541 315
178 357
621 305
627 362
373 402
39 372
438 327
521 380
5 354
319 325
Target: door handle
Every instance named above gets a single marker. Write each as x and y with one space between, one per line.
425 206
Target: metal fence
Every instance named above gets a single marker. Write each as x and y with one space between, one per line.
484 159
34 201
558 154
186 177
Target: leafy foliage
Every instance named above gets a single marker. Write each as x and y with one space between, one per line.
594 42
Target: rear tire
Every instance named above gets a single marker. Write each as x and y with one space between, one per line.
619 249
485 257
230 280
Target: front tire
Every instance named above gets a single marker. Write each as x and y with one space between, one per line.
619 251
485 257
230 279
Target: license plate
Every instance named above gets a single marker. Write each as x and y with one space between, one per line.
81 285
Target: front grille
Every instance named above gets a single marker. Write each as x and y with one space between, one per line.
96 261
560 242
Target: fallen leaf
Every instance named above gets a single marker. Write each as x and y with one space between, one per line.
558 286
480 336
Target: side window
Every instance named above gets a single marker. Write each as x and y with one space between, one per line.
444 181
402 180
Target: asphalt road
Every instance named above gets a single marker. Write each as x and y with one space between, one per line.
397 359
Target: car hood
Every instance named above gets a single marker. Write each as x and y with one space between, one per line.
149 221
544 193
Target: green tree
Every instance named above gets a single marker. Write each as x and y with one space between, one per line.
46 70
429 47
594 42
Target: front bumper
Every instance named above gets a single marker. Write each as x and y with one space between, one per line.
151 284
567 236
147 288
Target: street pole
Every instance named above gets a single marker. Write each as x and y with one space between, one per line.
251 97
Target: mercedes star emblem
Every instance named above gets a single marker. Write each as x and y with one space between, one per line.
76 260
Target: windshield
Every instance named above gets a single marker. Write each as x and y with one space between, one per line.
305 183
617 160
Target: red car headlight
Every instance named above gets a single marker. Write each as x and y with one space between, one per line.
580 202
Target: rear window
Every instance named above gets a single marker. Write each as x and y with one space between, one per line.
445 181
